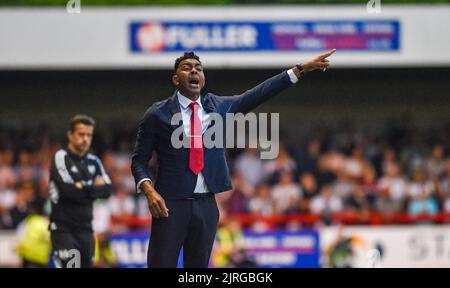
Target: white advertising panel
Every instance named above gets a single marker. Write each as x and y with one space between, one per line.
386 246
239 37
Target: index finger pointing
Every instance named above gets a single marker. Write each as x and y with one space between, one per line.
329 53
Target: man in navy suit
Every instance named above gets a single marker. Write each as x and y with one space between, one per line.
182 200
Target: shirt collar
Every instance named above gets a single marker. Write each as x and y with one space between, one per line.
184 101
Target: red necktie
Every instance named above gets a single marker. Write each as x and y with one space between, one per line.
196 148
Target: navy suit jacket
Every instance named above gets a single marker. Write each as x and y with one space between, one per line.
174 178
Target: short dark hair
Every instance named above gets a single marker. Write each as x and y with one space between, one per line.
80 119
186 55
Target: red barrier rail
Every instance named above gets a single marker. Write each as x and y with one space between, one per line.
348 218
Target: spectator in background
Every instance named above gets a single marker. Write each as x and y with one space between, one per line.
7 179
436 164
389 159
333 161
444 189
237 201
25 170
393 185
101 218
327 166
4 217
121 203
343 185
7 201
355 164
109 162
286 194
229 238
357 201
118 165
326 203
310 190
308 184
369 186
123 198
283 163
7 174
308 160
250 166
23 207
34 245
104 254
418 185
423 203
262 203
385 204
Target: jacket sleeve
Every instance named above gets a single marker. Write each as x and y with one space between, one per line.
252 98
146 140
62 184
100 191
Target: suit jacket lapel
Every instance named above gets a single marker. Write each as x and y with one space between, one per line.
207 104
175 108
175 105
209 108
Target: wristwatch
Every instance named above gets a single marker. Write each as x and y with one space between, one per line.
298 71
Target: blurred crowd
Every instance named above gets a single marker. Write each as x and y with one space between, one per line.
398 169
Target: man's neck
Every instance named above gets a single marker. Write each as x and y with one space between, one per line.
192 97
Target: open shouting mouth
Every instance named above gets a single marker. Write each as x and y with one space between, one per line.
194 83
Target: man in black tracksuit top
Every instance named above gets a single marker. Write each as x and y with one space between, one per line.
77 178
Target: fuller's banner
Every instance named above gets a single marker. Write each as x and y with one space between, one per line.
345 35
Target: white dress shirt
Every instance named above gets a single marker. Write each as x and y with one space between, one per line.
292 76
186 112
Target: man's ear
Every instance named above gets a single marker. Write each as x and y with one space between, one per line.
69 135
175 80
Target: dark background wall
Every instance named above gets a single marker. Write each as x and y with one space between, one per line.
367 98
